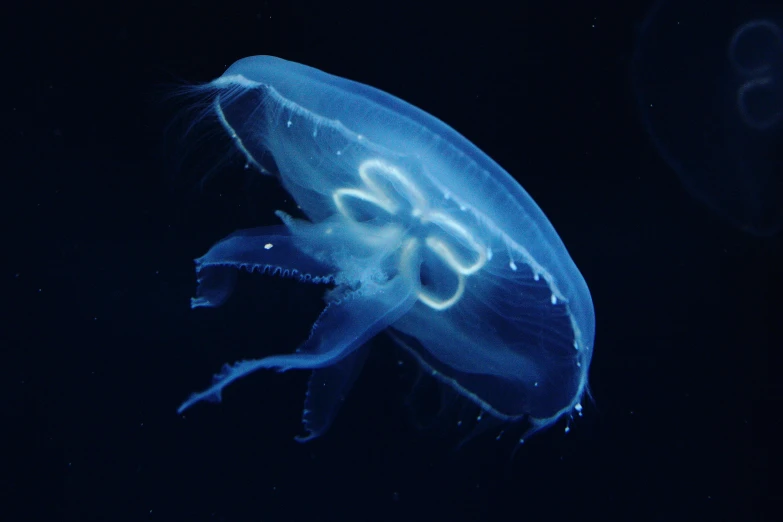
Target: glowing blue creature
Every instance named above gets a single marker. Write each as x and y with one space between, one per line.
420 233
709 80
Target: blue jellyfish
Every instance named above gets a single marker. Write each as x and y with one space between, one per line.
709 81
414 231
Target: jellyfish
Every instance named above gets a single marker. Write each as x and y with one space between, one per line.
709 83
414 232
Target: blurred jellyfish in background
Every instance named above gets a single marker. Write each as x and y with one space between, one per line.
708 77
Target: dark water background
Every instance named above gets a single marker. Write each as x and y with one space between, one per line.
99 345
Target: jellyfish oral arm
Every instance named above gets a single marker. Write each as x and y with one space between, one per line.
342 328
266 250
